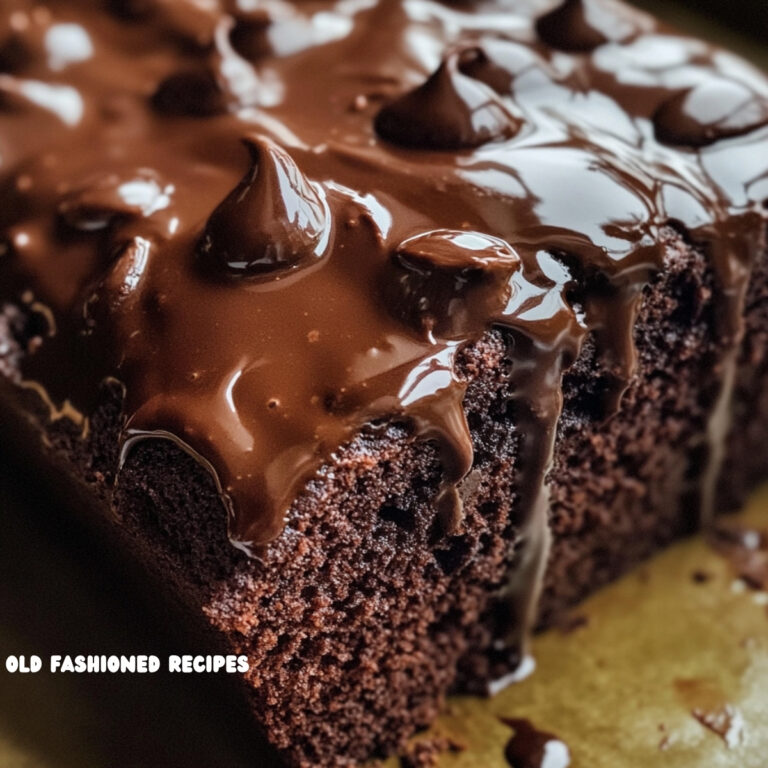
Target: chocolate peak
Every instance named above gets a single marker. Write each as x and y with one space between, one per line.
449 111
714 110
275 217
192 92
579 25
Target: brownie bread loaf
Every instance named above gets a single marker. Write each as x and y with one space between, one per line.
382 332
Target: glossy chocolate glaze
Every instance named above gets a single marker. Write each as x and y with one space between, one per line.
277 223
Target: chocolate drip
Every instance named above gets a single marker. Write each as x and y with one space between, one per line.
449 111
274 219
263 322
549 332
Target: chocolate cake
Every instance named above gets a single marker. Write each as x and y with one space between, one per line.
382 332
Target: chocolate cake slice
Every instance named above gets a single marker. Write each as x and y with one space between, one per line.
382 332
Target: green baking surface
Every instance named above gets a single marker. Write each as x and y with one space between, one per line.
619 688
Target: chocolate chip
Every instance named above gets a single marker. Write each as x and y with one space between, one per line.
715 109
530 747
274 219
192 93
122 283
447 277
449 111
580 25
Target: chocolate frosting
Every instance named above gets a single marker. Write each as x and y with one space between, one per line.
277 227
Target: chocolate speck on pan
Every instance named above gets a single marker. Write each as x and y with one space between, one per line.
701 577
529 747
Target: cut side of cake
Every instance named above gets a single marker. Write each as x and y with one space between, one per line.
382 333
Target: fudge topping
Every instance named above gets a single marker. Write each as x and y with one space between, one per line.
276 224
